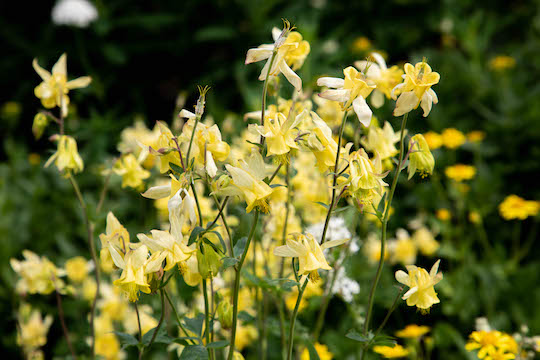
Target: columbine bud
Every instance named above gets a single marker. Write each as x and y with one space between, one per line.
221 182
40 123
209 261
199 109
420 158
225 314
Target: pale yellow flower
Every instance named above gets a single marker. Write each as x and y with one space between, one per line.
133 174
421 283
77 268
108 347
420 158
38 275
32 328
403 248
460 172
433 140
453 138
413 331
162 242
382 140
424 239
66 157
416 89
115 235
365 177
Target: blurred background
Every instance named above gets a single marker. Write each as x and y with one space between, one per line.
146 58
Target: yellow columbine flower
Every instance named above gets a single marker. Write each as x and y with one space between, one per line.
32 329
136 266
286 50
413 331
175 251
384 78
515 207
165 142
350 91
424 239
108 346
38 274
322 351
115 235
77 268
55 87
372 249
421 283
391 352
330 111
416 89
366 177
453 138
381 140
280 133
403 248
420 158
133 174
309 253
66 157
322 144
296 56
433 140
247 182
460 172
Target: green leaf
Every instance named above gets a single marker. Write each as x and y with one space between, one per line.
239 246
161 336
338 210
273 186
217 344
322 204
383 340
194 234
195 324
194 352
223 246
177 169
183 340
126 340
354 335
227 262
313 355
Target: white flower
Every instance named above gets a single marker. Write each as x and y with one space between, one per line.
337 230
79 13
345 286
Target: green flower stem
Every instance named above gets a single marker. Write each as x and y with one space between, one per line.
286 221
334 182
160 318
141 349
207 319
177 316
390 311
197 202
281 313
92 246
237 285
293 318
197 119
384 222
63 321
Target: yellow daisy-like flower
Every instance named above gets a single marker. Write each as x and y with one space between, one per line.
515 207
460 172
391 352
453 138
433 140
491 343
421 283
55 87
322 351
413 331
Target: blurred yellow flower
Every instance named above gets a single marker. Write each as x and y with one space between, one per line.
502 62
403 249
476 136
381 140
133 174
322 351
433 140
424 239
245 335
515 207
372 249
491 343
55 87
108 346
413 331
360 44
77 268
460 172
475 217
421 283
443 214
391 352
32 328
453 138
38 274
66 157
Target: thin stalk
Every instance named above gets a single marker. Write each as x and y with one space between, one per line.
63 322
141 350
197 119
176 315
103 192
293 318
197 202
281 313
334 182
275 173
207 318
371 297
390 311
212 309
160 318
219 213
237 285
91 245
224 220
286 221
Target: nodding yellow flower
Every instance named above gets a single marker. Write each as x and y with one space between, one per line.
247 182
384 78
55 87
366 177
502 62
309 253
416 89
287 49
77 268
453 138
350 91
381 140
322 351
115 235
433 140
460 172
322 144
133 174
420 158
32 329
425 241
174 250
66 157
135 269
491 345
38 274
421 283
280 133
330 111
515 207
391 352
413 331
443 214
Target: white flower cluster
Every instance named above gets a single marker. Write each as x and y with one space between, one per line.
79 13
337 230
346 287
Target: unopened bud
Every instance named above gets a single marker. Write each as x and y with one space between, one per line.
199 109
40 123
225 314
209 261
420 159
